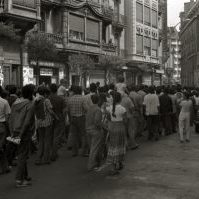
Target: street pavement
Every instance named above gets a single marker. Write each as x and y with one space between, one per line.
165 169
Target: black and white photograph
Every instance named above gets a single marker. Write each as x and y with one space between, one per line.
99 99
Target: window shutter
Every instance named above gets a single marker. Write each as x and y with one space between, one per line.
76 23
92 30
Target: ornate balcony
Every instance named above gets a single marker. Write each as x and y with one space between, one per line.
119 20
52 2
109 47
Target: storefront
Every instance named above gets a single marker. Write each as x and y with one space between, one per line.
47 73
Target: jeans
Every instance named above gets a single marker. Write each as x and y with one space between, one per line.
78 135
23 153
152 125
45 144
184 124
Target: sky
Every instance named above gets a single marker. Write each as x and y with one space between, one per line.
174 9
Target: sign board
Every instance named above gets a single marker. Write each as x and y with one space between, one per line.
28 75
46 72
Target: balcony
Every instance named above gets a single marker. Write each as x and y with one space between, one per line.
52 2
108 13
24 14
109 47
119 20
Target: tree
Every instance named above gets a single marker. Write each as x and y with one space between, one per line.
81 64
39 48
9 31
109 63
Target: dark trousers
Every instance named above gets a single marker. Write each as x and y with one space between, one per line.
166 123
44 146
174 122
3 158
152 125
23 154
78 133
58 129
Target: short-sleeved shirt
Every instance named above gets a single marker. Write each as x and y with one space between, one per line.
121 87
4 109
61 91
151 101
48 118
119 113
127 104
76 106
186 106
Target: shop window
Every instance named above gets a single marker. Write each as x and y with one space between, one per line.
76 27
139 44
139 12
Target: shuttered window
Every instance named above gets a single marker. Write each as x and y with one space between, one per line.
76 23
147 16
139 44
92 32
139 12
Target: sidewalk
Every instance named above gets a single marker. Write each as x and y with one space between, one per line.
165 169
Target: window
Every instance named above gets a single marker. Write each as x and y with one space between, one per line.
139 12
147 16
154 52
154 19
139 44
92 31
147 46
76 27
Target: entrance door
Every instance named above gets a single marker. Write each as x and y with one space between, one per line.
46 80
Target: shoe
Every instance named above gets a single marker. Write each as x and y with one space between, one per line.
28 179
74 155
187 140
24 183
134 148
182 141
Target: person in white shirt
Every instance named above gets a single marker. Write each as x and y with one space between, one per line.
121 86
151 105
62 88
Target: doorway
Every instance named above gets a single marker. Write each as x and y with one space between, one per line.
46 80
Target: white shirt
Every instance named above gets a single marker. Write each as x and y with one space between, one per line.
61 91
4 109
151 101
119 112
120 87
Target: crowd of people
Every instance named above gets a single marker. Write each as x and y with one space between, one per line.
100 123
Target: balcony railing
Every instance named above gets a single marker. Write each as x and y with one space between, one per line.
55 38
52 1
109 47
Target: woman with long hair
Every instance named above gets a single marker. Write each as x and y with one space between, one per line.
117 134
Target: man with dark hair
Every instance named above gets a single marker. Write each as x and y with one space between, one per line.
22 125
45 116
76 108
12 94
58 127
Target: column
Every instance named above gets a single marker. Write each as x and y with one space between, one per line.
65 26
38 7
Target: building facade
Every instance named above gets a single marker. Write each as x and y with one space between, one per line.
142 41
173 67
190 44
23 15
90 27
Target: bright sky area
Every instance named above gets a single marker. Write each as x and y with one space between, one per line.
174 9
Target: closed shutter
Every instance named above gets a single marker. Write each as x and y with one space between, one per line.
92 30
76 23
154 44
147 42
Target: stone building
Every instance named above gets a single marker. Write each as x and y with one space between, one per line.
91 27
190 44
143 41
173 67
23 15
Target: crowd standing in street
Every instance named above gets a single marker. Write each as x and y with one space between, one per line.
101 124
